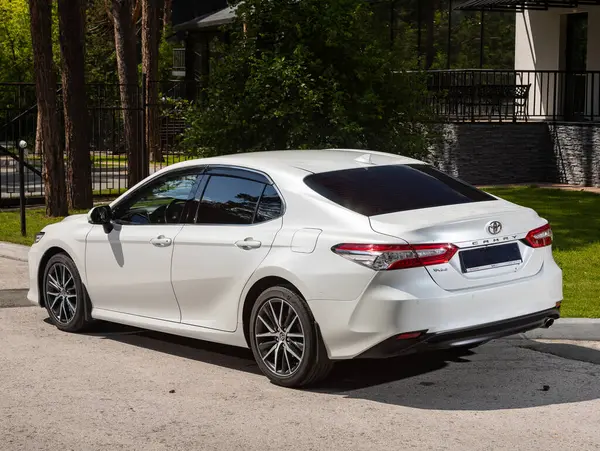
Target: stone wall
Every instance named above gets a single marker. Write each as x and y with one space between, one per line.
577 150
505 153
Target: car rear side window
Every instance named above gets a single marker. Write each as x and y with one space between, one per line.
386 189
270 206
229 200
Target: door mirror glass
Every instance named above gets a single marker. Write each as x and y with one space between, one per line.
100 215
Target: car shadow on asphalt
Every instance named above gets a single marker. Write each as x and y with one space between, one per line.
509 374
231 357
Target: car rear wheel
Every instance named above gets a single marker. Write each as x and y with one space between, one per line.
64 295
285 339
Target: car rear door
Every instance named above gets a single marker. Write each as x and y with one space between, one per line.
239 214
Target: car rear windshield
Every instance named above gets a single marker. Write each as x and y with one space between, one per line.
379 190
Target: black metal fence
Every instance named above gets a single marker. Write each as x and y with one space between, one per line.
18 121
515 95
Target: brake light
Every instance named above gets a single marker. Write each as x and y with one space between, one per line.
384 257
540 237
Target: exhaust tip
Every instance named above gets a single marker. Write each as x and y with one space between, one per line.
548 322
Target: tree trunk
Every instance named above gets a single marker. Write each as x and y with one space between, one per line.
167 5
40 12
125 42
39 149
430 29
79 173
150 25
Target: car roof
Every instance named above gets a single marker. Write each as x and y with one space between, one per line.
313 161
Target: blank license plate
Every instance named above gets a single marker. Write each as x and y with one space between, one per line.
490 257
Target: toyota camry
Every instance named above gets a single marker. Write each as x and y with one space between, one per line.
305 257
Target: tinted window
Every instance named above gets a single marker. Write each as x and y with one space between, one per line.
387 189
161 202
270 205
229 200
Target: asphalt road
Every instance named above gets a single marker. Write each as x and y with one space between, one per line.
122 389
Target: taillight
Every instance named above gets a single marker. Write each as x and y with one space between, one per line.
383 257
540 237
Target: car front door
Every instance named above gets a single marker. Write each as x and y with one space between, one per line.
238 217
129 268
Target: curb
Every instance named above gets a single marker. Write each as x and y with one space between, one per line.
580 329
12 251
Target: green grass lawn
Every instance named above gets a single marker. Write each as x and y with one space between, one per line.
36 220
574 216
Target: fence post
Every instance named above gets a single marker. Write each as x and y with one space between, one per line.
145 160
22 146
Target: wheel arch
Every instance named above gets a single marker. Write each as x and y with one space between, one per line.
50 252
255 291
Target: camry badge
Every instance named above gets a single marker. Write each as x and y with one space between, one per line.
494 227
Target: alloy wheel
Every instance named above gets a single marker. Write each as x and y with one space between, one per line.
279 337
61 293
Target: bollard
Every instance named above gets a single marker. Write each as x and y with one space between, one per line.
22 147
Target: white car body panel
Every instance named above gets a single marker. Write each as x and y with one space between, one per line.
210 271
139 272
465 226
196 287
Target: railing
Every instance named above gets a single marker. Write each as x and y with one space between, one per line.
515 95
18 120
179 60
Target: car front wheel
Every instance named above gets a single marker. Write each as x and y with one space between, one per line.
285 340
64 294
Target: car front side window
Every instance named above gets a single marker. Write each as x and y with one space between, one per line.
162 202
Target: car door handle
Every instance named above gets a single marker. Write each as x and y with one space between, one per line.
161 241
248 244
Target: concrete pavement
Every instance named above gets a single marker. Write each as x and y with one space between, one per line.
14 275
120 389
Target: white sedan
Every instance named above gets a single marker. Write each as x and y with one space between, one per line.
306 257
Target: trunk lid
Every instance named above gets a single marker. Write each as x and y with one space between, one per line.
466 226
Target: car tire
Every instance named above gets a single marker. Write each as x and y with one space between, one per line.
286 341
65 297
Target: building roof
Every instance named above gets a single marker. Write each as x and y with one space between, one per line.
208 21
520 5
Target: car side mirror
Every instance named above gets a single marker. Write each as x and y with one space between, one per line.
101 215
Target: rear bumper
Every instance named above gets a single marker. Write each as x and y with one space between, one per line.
469 336
397 302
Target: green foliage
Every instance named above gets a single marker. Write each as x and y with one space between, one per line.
100 58
16 53
310 74
165 55
465 44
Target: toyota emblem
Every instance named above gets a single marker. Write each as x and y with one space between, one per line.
494 227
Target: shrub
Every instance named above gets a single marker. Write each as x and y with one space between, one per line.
310 74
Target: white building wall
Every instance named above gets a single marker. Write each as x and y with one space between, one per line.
539 46
593 62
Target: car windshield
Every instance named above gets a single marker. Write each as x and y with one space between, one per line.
379 190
